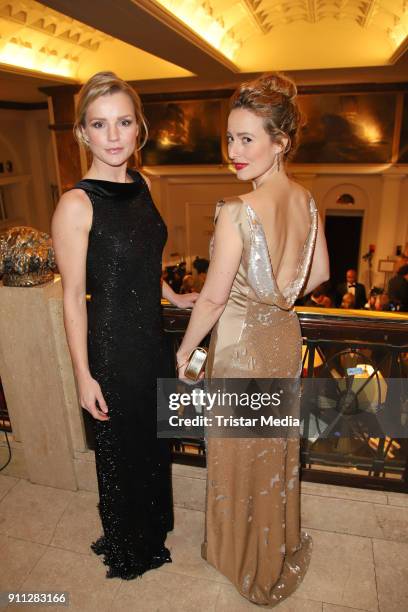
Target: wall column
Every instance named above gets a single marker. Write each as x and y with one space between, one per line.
387 234
389 221
61 107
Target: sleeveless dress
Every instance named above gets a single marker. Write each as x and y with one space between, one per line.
125 353
252 531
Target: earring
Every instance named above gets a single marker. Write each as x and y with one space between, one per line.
278 161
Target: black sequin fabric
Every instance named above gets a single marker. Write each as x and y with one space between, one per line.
126 355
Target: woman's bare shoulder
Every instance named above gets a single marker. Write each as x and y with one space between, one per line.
74 200
74 205
231 200
298 191
232 204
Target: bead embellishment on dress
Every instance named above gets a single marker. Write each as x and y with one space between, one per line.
126 356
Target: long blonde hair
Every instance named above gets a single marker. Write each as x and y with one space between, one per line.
102 84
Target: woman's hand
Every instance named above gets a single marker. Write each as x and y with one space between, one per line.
185 300
181 374
181 360
211 302
89 394
181 370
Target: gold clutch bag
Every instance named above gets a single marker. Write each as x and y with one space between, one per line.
195 363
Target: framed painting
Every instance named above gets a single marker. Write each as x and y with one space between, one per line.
349 128
184 132
403 147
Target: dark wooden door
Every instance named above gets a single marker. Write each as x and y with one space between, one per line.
343 236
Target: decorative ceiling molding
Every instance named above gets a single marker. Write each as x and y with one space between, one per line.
141 40
205 18
260 17
38 38
273 13
239 21
370 7
41 39
159 9
36 16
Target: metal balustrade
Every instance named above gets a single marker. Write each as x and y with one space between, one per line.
333 341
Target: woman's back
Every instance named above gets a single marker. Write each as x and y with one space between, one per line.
285 217
258 325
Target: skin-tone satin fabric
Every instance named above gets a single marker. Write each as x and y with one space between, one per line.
253 532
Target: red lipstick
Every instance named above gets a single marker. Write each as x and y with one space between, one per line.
239 166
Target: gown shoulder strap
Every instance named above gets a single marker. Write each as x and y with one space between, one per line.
234 206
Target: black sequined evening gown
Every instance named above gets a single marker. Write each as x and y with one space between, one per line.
126 355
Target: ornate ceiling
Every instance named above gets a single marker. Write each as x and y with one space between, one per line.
298 34
206 41
38 38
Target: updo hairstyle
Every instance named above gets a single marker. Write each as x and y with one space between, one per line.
272 96
102 84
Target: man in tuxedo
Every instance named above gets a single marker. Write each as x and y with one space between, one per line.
352 286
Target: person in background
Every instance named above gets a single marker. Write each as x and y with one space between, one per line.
372 298
401 260
174 276
382 303
352 286
398 289
348 301
317 298
200 266
188 284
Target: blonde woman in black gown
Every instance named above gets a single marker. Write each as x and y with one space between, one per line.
108 238
268 248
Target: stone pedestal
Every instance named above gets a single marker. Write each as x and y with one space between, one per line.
38 382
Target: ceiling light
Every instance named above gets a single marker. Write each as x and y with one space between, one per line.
199 16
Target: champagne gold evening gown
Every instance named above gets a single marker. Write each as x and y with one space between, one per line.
252 533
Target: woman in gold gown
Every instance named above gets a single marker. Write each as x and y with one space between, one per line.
268 248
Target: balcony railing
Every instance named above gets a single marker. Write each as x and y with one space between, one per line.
335 340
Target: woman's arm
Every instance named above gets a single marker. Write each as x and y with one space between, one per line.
185 300
214 295
70 228
181 301
320 267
